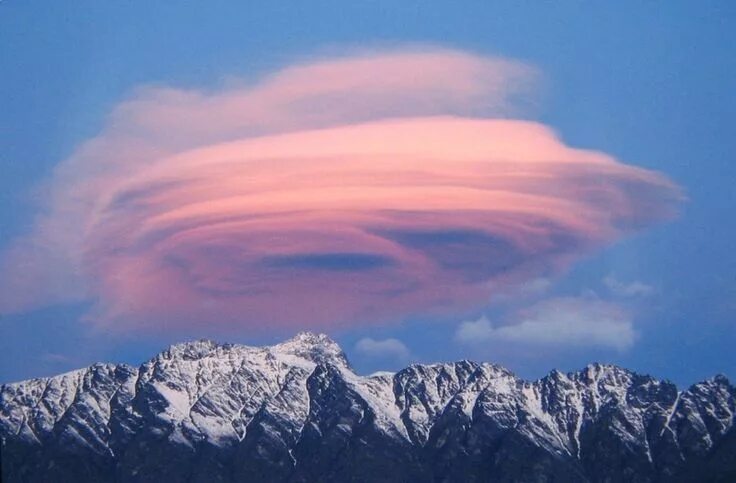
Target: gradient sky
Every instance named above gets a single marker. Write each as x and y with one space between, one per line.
608 130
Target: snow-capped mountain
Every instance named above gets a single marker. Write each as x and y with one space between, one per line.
296 411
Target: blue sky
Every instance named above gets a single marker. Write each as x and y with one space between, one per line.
647 83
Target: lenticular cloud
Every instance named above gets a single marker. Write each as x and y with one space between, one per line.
351 190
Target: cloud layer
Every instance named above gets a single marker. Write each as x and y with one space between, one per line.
627 289
557 322
382 349
353 190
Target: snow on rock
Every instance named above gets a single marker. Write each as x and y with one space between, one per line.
206 393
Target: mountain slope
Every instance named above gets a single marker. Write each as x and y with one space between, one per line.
296 411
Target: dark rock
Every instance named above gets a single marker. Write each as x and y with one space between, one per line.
206 412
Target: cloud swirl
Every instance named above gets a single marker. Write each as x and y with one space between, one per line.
351 190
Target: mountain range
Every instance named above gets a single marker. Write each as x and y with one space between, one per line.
296 411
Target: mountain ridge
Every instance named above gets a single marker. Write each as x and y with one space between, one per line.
296 411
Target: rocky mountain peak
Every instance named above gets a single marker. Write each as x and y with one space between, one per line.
318 348
719 380
195 349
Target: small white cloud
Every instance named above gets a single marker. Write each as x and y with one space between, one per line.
571 321
505 291
627 289
386 348
537 286
55 358
475 331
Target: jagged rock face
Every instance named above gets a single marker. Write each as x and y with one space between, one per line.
296 411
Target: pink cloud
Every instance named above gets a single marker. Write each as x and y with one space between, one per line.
352 190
